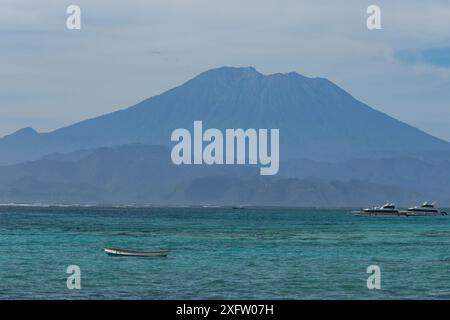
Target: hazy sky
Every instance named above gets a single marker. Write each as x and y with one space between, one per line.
130 50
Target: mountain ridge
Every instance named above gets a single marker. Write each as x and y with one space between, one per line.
144 175
317 120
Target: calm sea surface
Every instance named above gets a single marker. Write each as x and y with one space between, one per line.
221 254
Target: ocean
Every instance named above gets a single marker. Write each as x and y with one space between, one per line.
220 253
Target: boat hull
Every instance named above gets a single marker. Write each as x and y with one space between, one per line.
425 214
377 213
399 214
135 253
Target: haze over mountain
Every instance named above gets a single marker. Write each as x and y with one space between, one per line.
142 175
335 150
317 120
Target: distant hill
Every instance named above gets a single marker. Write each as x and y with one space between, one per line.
317 120
430 179
225 190
141 174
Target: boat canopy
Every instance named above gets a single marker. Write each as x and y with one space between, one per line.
428 205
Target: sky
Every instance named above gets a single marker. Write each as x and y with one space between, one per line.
125 52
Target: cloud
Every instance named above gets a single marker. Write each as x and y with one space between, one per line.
112 62
438 57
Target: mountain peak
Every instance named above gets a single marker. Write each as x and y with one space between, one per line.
231 72
24 132
245 73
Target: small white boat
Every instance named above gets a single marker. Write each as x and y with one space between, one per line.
136 253
388 209
426 209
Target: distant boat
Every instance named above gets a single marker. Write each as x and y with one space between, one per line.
426 209
136 253
237 207
388 209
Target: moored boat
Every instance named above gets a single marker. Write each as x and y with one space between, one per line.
136 253
426 209
388 209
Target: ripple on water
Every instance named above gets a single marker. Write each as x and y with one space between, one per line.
215 253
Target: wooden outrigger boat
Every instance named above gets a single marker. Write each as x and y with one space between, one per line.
136 253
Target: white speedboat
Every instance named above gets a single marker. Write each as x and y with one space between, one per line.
388 209
426 209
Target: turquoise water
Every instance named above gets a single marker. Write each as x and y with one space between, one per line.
221 254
